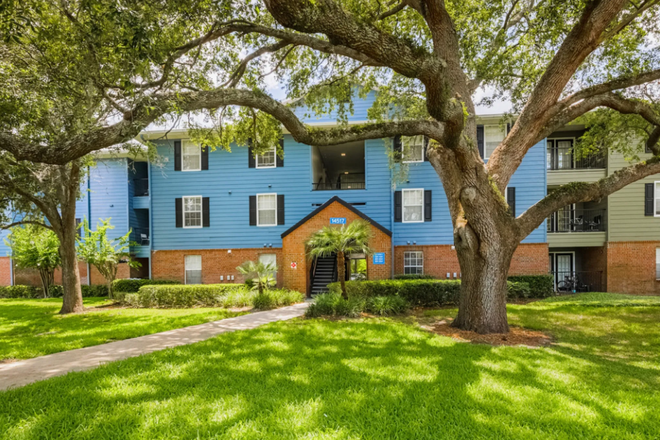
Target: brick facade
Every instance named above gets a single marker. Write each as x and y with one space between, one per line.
439 260
170 265
5 271
631 267
293 248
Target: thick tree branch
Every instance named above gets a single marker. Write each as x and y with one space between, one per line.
26 222
610 86
583 192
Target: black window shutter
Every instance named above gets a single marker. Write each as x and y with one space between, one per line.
426 148
251 162
480 140
177 155
178 209
397 147
511 199
279 160
205 158
398 208
648 199
280 209
428 206
508 128
253 210
206 214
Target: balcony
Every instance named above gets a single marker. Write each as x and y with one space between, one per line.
141 187
564 166
141 241
344 182
575 282
577 227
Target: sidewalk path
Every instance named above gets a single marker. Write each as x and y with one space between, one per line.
17 374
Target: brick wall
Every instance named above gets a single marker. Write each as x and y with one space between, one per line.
293 248
170 265
30 277
5 271
529 259
631 267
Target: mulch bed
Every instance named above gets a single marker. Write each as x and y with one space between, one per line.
516 335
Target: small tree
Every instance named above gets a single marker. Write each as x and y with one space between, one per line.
258 274
347 239
35 247
104 253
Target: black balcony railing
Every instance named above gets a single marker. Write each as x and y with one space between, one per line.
575 282
140 236
577 220
564 158
344 181
141 187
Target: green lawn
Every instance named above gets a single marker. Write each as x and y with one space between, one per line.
30 328
371 379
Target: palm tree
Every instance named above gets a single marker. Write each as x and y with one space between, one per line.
258 274
347 239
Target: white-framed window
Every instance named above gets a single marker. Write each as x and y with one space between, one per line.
192 212
413 205
656 198
412 148
267 209
413 262
193 265
269 259
266 160
191 157
493 136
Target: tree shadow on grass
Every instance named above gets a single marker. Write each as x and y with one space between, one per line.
319 379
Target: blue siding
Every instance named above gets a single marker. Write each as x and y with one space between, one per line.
109 195
360 109
229 183
529 181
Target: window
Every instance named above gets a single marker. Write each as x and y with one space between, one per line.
269 259
413 263
266 160
192 157
493 136
193 269
413 205
657 263
192 212
266 209
413 148
656 199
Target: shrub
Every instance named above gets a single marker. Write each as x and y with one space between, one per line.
414 277
423 293
20 291
540 286
517 290
387 305
132 285
208 295
56 291
333 304
94 290
273 298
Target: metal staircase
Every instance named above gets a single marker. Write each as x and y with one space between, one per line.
325 272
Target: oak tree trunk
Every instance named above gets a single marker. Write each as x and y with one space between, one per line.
72 301
482 303
341 273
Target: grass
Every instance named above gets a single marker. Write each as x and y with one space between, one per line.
33 327
371 379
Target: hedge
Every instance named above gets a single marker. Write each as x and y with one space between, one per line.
20 292
414 277
208 295
132 285
422 293
541 286
332 304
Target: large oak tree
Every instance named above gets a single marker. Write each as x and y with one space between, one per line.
556 60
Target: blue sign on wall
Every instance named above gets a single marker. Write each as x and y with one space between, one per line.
337 220
379 258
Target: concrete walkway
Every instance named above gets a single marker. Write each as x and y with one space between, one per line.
21 373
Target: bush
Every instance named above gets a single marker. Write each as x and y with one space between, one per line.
20 292
518 290
132 285
333 304
422 293
540 286
208 295
414 277
94 290
273 298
